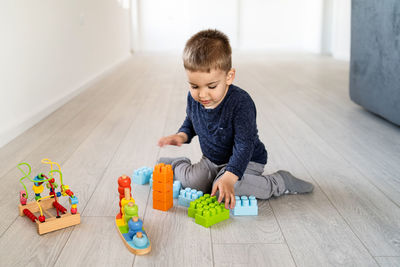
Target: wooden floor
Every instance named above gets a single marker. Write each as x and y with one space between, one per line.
308 124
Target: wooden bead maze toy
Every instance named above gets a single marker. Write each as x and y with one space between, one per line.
130 227
48 204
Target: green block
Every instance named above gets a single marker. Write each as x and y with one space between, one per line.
123 229
207 211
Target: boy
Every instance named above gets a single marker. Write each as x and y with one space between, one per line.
224 118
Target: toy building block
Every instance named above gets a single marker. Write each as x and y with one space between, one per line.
162 187
207 211
188 195
245 206
130 227
176 188
142 175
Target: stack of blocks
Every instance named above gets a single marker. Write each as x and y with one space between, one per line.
188 195
207 211
245 206
142 175
162 187
176 187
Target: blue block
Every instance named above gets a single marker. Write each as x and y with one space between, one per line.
176 188
73 200
188 195
142 175
245 206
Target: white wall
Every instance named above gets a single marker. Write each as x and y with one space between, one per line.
317 26
166 25
250 24
50 49
281 25
341 29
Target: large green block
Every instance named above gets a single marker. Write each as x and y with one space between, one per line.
207 211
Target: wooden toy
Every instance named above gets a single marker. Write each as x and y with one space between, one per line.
45 205
130 227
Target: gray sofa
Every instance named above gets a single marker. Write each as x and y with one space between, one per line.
375 57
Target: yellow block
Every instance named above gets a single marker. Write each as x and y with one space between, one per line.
120 222
124 202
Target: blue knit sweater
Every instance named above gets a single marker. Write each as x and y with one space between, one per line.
227 133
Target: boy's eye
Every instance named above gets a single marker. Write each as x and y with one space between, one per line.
194 86
212 87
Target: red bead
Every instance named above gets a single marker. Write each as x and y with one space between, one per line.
41 218
74 210
124 181
52 180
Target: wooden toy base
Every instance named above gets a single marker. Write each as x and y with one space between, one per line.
52 223
123 233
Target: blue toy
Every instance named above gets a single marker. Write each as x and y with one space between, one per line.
176 187
142 175
245 206
187 195
135 225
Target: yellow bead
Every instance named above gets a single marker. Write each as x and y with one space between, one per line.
64 188
124 202
38 189
74 206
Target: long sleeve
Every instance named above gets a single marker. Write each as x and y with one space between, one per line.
187 126
245 135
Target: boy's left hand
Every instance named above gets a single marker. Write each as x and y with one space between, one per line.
226 187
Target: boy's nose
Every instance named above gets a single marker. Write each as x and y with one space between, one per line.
202 94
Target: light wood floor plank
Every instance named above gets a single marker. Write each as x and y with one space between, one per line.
388 261
252 255
371 215
95 243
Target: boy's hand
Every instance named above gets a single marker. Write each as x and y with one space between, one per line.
226 187
174 140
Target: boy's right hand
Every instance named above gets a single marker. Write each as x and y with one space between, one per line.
173 140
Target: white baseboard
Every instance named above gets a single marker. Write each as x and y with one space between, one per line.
42 112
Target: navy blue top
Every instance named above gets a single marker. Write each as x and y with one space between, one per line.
227 133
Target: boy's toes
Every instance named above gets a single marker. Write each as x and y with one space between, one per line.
295 185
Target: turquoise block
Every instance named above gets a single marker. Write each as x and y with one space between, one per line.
142 175
245 206
187 195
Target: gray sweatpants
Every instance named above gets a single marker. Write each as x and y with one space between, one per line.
202 176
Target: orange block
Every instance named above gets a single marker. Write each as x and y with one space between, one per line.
162 187
163 173
164 206
162 196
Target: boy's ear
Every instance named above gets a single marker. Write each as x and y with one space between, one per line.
230 77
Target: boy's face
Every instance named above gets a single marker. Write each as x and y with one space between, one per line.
210 88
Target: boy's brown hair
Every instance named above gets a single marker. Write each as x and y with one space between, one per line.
207 50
